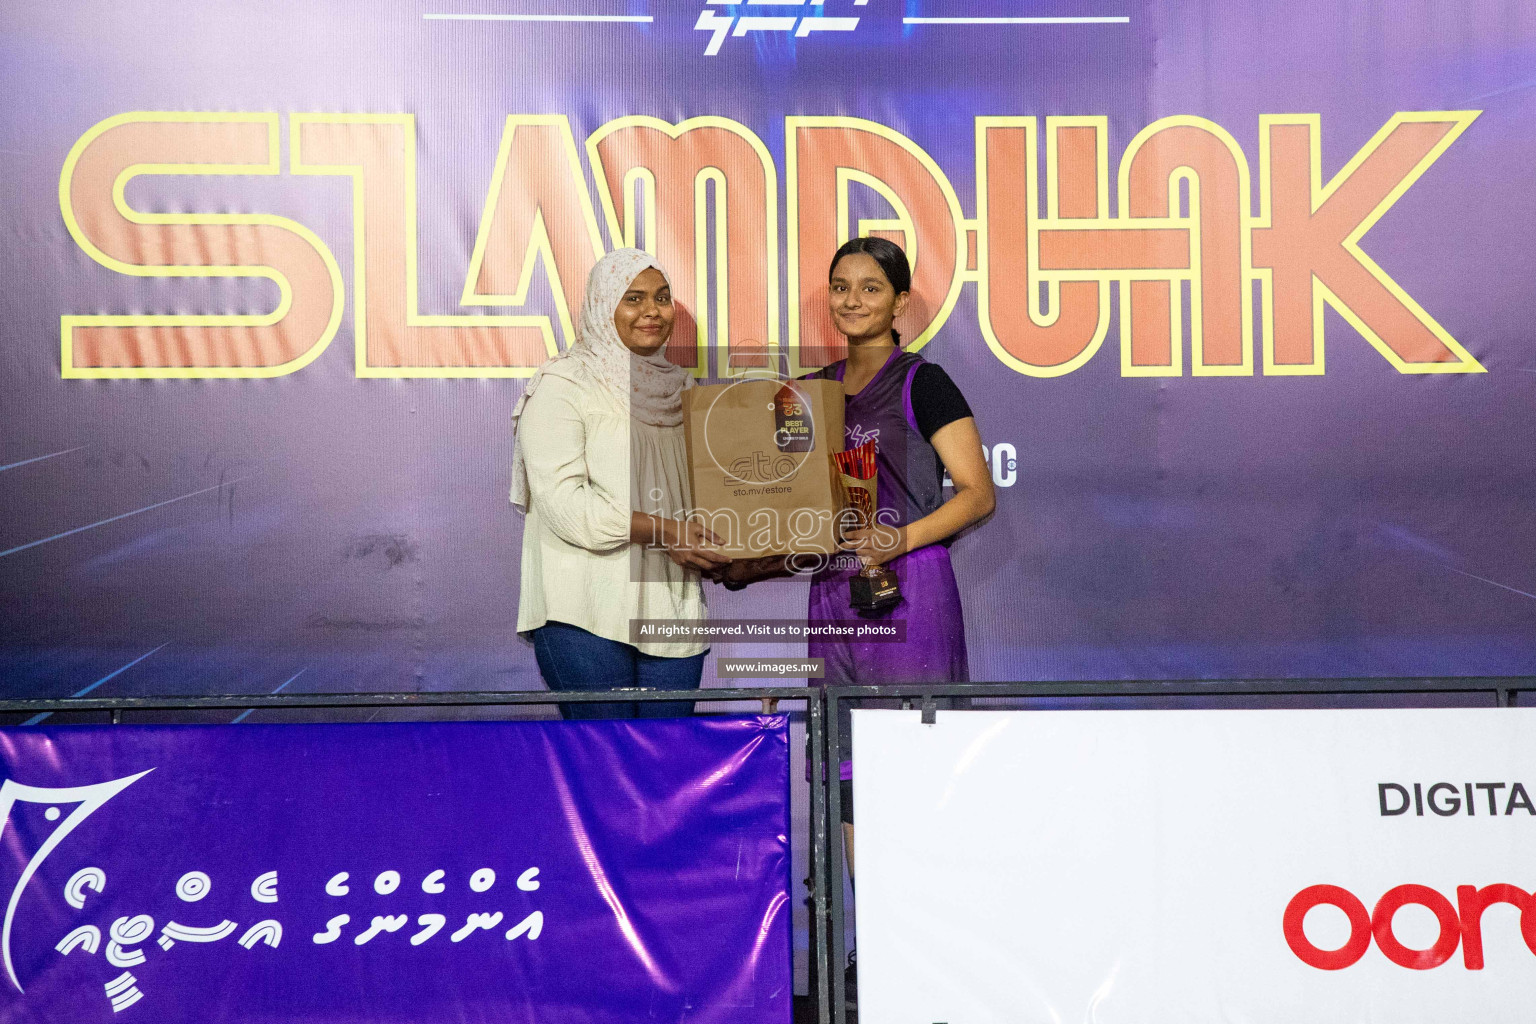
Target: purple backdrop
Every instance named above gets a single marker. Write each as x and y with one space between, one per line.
319 531
642 869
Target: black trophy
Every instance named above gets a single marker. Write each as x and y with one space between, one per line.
874 588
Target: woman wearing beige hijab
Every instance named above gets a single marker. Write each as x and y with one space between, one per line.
599 470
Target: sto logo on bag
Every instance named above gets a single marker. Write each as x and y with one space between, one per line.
1460 925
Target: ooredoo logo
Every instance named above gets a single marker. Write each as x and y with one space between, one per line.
1460 925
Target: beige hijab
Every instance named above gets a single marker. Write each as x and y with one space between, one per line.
648 388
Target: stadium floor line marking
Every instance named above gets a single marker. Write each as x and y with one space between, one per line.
1517 87
633 19
121 515
1494 583
1107 20
241 716
40 458
115 672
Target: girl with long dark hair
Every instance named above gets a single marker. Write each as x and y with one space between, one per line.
921 426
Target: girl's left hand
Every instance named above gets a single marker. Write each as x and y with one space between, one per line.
876 546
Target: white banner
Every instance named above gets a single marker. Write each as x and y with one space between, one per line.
1184 867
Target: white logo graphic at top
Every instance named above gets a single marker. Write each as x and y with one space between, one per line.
734 21
857 435
91 799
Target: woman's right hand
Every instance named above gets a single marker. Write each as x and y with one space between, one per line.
743 571
689 543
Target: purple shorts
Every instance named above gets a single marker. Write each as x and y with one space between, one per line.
932 652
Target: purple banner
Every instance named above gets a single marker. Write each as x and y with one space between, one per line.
512 872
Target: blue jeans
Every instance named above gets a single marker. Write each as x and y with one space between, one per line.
572 659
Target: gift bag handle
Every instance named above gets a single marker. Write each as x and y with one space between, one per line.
764 372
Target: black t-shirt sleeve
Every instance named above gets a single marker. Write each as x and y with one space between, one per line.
936 402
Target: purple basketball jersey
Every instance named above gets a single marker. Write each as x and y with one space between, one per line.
910 486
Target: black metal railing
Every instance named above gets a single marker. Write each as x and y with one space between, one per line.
825 731
116 710
1256 693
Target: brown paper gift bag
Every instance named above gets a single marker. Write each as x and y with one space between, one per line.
760 464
